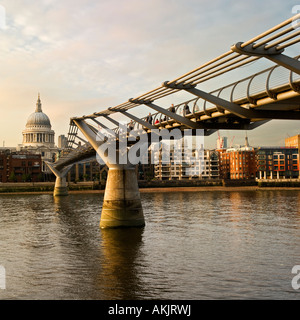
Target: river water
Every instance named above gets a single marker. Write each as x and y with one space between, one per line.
195 245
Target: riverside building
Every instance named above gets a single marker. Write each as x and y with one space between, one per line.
238 163
277 163
195 164
20 167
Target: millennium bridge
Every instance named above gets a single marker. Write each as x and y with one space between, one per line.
272 93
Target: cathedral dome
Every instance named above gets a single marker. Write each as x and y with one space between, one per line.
38 118
38 129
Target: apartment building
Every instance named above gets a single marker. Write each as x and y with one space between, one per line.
277 163
194 164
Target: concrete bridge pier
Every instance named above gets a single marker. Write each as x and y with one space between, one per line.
61 187
122 203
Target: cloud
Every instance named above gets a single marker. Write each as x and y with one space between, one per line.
84 55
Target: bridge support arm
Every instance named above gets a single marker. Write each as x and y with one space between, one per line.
99 123
172 115
115 122
235 108
230 106
122 203
272 54
89 134
61 187
138 120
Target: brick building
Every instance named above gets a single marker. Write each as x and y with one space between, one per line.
18 167
3 167
237 164
293 142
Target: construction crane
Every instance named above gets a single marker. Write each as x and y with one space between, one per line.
221 141
231 142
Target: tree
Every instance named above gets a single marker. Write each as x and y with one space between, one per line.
40 177
12 177
26 177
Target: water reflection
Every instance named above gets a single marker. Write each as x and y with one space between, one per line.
195 245
121 250
61 204
111 257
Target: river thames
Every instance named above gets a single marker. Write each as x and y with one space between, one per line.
195 245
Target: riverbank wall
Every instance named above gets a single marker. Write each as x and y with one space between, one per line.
46 186
285 183
156 185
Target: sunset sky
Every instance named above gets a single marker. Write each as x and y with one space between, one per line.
83 56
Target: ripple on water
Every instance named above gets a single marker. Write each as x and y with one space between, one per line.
196 245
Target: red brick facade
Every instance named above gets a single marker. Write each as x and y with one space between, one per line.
237 164
20 167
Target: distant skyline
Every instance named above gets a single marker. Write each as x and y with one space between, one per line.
85 56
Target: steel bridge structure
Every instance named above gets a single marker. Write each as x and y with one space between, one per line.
272 93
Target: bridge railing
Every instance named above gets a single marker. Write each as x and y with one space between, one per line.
264 83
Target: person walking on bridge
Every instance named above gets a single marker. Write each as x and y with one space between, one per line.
172 108
131 125
149 118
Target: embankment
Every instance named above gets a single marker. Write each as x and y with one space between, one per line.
157 186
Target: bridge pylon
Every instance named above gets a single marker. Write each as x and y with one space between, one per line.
122 205
61 187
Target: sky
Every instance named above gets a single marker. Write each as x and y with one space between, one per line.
84 56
